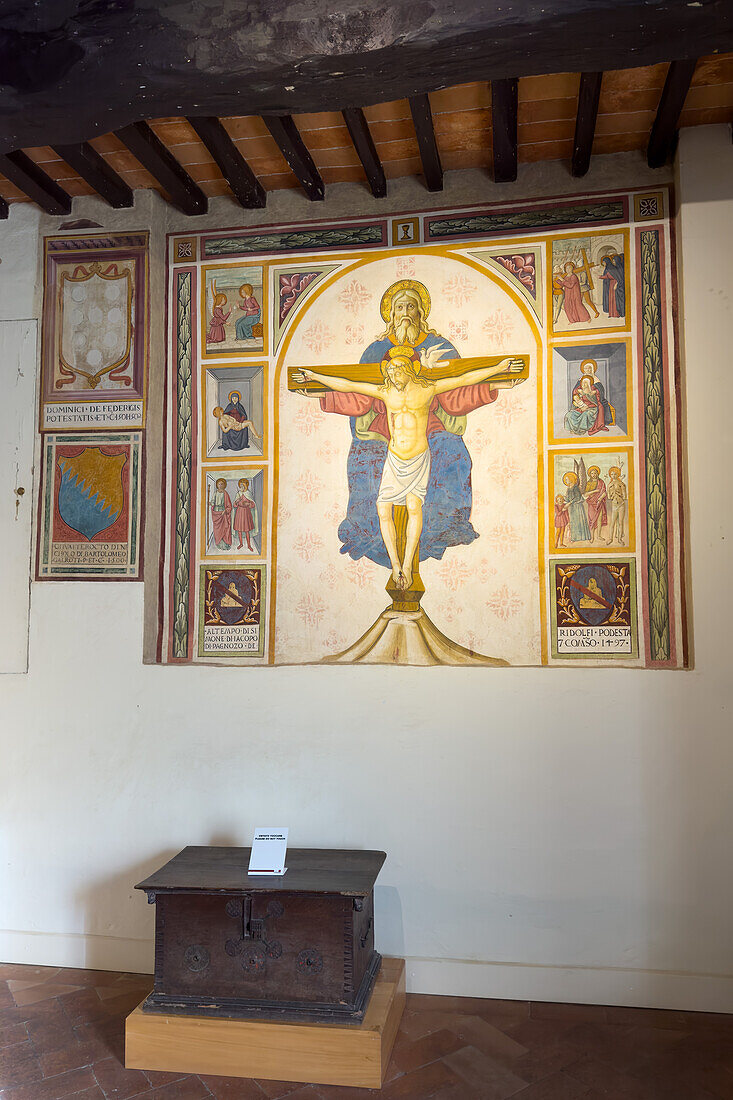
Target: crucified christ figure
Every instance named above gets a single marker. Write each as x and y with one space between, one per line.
407 394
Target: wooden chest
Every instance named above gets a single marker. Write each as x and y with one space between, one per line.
296 947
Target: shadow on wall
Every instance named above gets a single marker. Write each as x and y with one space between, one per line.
112 905
388 922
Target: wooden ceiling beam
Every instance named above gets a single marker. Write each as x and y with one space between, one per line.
422 118
361 136
93 168
34 182
245 186
504 99
589 94
4 209
663 137
291 145
147 147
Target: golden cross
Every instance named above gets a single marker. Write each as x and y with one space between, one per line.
586 267
372 372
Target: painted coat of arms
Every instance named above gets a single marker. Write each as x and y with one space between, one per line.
95 326
230 616
594 609
90 508
94 333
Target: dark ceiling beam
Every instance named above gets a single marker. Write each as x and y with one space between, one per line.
80 76
663 138
589 94
4 209
361 136
86 161
292 147
504 97
422 118
34 182
147 147
245 186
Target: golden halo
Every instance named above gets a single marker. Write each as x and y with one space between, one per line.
569 478
614 470
406 350
235 393
385 306
596 468
591 366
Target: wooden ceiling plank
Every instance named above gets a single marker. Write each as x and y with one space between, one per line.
150 151
366 150
663 137
35 183
589 95
422 117
234 168
292 147
504 99
100 176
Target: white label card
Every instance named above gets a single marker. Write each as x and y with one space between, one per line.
269 847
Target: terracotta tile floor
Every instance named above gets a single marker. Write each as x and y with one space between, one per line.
61 1036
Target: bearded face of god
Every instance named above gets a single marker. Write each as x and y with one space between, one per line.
406 319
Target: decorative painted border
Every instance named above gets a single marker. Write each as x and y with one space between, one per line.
306 239
45 571
655 445
184 462
567 216
74 244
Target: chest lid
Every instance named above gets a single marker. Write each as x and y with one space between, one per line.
310 870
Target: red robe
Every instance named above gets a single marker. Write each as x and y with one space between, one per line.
595 496
222 521
573 304
217 332
243 521
562 516
458 402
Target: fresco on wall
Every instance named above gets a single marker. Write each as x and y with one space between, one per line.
94 338
590 394
593 499
93 391
440 453
232 310
90 506
590 284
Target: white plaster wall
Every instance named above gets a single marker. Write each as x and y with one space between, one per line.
555 834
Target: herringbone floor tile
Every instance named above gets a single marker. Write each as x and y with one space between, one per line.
62 1038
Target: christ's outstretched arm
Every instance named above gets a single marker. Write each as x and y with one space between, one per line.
341 385
483 374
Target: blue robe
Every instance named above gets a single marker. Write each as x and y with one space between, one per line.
614 267
448 501
236 439
578 512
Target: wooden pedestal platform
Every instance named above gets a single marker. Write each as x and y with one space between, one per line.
318 1054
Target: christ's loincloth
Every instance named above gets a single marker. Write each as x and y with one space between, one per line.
401 477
